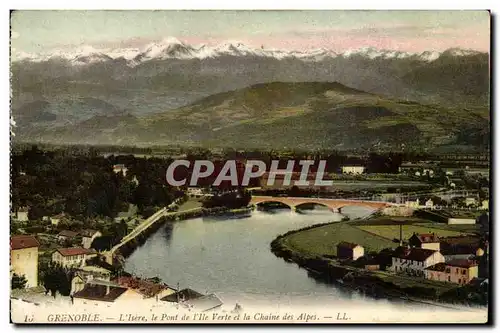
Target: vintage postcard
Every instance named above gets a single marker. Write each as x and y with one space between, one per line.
308 166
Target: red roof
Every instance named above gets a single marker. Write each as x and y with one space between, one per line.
23 242
145 287
427 238
74 251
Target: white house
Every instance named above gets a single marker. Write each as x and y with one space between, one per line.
346 250
24 258
120 168
414 261
56 219
86 274
88 237
459 220
413 204
470 201
22 214
73 256
485 204
429 204
195 191
353 169
429 172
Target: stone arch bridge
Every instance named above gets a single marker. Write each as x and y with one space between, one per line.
335 205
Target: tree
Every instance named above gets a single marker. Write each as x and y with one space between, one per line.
56 278
18 282
458 201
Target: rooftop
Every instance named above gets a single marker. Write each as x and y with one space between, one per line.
347 245
100 292
185 294
23 242
464 263
88 232
427 238
74 251
68 233
145 287
416 254
204 303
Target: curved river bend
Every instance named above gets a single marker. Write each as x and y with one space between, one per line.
232 258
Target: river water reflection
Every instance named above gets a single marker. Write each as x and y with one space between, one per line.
231 257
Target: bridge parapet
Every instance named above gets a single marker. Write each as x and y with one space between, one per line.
334 204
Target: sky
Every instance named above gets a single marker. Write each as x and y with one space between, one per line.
412 31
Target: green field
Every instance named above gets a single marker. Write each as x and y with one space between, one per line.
323 240
392 231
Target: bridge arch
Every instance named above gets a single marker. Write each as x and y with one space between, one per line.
273 201
322 204
334 205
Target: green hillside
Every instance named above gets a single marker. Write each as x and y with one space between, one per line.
301 115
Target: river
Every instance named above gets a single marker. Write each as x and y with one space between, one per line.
231 257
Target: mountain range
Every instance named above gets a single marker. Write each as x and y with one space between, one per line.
172 48
173 92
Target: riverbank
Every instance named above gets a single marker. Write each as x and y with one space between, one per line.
128 248
323 266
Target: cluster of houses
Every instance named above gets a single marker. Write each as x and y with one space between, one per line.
451 259
92 282
470 202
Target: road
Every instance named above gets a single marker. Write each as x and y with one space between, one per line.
147 223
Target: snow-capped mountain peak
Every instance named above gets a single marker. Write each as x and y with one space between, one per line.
173 48
458 52
167 48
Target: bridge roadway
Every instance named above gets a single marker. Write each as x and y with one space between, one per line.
333 204
141 227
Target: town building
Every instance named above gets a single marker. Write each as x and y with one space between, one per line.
428 172
56 219
66 235
73 256
203 303
485 204
24 258
463 247
461 220
22 214
147 288
194 191
470 201
414 261
412 204
456 271
425 241
346 250
353 169
86 274
88 237
429 204
104 293
120 168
